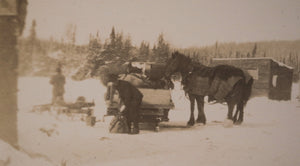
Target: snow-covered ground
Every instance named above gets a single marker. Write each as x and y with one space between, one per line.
269 135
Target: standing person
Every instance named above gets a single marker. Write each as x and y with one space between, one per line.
131 97
58 81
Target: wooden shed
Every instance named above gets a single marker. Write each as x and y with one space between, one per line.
271 78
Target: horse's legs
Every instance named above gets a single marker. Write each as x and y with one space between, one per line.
230 109
201 115
192 98
235 115
240 106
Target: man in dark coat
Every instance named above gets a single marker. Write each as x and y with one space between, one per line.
131 97
58 81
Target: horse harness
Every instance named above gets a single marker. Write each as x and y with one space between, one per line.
193 68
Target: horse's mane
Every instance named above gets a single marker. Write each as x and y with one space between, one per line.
196 67
183 58
221 71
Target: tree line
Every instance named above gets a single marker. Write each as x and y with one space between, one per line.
38 57
287 52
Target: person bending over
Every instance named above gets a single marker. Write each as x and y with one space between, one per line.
131 97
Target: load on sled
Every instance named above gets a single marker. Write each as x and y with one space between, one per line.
157 100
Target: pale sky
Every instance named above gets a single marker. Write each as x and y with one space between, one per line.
184 23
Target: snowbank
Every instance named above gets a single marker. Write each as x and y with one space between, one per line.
269 135
13 157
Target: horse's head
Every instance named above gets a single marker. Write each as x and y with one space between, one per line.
172 64
177 63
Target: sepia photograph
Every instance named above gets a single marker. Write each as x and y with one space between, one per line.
149 83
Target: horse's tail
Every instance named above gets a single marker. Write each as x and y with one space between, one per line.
247 91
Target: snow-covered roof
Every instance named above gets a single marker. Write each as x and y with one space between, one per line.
282 64
269 58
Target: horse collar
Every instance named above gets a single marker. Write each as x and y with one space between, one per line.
188 71
190 67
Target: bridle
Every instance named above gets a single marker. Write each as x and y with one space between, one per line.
186 71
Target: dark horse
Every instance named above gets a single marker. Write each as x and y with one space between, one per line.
223 82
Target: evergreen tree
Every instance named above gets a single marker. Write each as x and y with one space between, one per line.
118 47
94 47
217 50
127 48
162 50
73 39
32 35
94 58
248 55
237 54
154 52
254 50
112 38
32 41
109 52
115 48
144 51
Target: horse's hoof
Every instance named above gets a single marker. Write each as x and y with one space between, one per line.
238 122
234 120
190 123
201 121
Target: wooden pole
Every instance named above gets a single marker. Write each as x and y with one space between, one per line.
8 80
12 19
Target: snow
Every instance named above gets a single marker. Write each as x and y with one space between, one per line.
270 58
11 156
269 135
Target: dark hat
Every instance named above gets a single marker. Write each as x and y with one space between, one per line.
113 77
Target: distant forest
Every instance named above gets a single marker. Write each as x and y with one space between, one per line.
39 57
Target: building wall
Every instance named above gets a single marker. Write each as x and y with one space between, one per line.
282 79
271 78
259 69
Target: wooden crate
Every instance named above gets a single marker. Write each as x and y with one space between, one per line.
156 98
